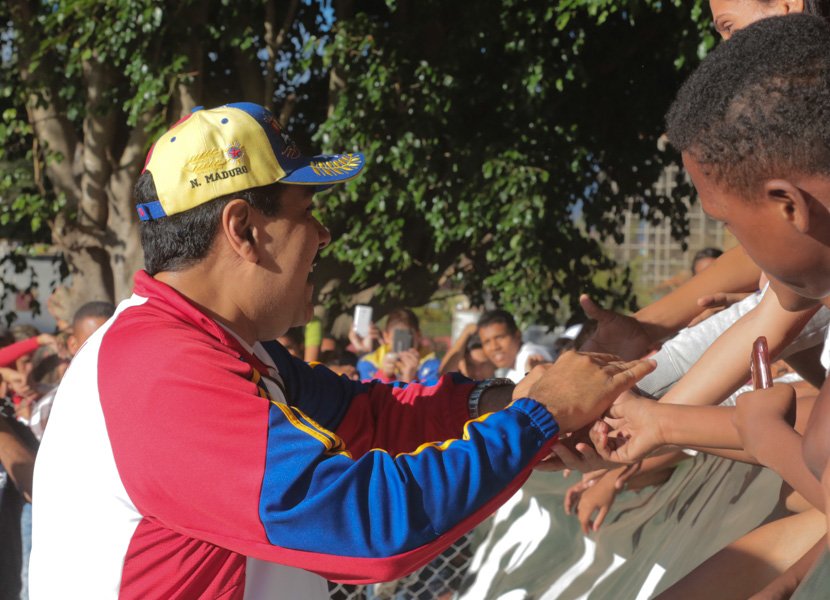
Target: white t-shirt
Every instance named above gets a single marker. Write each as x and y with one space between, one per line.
517 373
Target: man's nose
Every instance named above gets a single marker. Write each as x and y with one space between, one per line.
325 236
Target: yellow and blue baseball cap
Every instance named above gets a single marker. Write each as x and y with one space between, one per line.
211 153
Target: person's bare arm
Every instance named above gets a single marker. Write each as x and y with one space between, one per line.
733 271
456 351
785 584
636 427
816 447
764 420
725 365
576 389
17 459
635 335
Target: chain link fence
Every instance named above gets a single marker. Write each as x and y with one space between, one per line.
439 580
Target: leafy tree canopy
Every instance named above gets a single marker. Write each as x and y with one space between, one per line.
490 129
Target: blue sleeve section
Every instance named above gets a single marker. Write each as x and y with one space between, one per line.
317 391
318 500
366 369
429 371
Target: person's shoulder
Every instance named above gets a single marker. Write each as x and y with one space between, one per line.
144 332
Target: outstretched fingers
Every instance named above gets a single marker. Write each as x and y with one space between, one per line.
594 311
629 373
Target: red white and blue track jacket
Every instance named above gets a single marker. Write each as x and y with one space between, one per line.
177 463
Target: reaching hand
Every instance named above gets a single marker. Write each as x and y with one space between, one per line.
579 387
627 473
364 345
574 453
758 413
630 432
596 496
45 339
616 333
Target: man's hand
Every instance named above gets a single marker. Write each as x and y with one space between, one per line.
630 432
615 333
758 413
579 387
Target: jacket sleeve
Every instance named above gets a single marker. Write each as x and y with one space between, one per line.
395 417
12 352
202 452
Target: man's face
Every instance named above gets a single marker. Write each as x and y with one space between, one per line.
500 346
764 227
290 242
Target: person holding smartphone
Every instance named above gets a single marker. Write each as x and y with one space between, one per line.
400 357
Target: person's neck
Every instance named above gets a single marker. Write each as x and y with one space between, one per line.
206 285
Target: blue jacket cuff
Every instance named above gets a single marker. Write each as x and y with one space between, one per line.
539 416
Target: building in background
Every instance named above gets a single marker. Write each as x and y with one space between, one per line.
658 262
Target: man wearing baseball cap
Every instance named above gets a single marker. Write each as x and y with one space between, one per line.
184 458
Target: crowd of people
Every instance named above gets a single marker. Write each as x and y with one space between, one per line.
229 448
31 367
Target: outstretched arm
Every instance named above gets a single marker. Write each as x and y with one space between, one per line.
634 336
456 351
817 437
764 420
725 365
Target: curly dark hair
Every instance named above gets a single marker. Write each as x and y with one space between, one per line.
820 8
758 106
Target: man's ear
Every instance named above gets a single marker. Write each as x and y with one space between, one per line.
792 204
238 226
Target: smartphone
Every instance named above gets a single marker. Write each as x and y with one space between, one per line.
759 365
401 340
362 320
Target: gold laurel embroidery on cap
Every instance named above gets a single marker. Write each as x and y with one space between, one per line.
342 165
206 162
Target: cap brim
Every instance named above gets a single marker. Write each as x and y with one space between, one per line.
326 170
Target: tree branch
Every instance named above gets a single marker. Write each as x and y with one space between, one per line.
51 127
100 124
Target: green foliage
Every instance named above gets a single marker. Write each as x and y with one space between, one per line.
489 131
489 128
